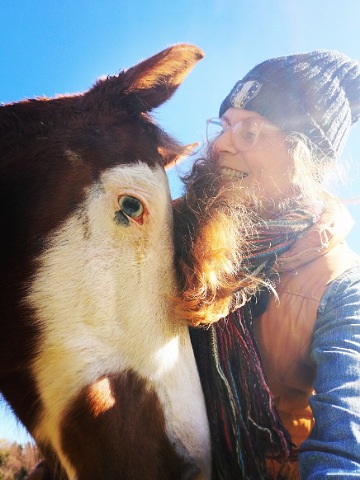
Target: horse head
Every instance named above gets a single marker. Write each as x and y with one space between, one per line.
93 359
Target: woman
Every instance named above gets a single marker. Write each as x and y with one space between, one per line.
281 130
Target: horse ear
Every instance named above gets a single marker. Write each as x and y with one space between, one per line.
152 81
172 159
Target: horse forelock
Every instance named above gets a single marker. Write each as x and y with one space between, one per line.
52 123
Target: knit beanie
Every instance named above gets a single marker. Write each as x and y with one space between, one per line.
316 94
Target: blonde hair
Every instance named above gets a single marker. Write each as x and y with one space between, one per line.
314 172
212 232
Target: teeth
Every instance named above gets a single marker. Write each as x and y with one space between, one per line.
231 173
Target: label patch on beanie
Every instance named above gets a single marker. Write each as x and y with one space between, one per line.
244 92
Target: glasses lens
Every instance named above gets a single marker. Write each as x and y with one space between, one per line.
214 128
245 134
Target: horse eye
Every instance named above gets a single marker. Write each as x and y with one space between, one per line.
131 206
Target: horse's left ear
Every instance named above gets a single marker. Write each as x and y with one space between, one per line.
172 159
152 81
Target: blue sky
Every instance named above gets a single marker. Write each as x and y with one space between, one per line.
52 47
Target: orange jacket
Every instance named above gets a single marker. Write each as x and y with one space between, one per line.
284 331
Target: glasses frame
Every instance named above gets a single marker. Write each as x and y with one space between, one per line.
235 140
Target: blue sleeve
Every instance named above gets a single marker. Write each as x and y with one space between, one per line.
333 449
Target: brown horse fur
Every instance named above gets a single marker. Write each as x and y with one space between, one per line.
63 290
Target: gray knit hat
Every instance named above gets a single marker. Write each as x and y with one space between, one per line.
316 94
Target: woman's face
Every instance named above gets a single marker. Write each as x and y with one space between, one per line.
266 168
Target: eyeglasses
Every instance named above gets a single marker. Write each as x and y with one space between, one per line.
244 134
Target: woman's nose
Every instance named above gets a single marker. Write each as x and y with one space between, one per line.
224 143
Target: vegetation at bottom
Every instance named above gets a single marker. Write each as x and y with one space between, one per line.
17 461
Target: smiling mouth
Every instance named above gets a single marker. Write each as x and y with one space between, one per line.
230 173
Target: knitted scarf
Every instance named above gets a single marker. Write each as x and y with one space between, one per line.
245 426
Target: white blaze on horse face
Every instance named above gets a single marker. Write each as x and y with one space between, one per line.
101 296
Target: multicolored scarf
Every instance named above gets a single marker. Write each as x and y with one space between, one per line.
244 423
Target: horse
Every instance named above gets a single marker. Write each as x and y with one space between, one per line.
94 361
